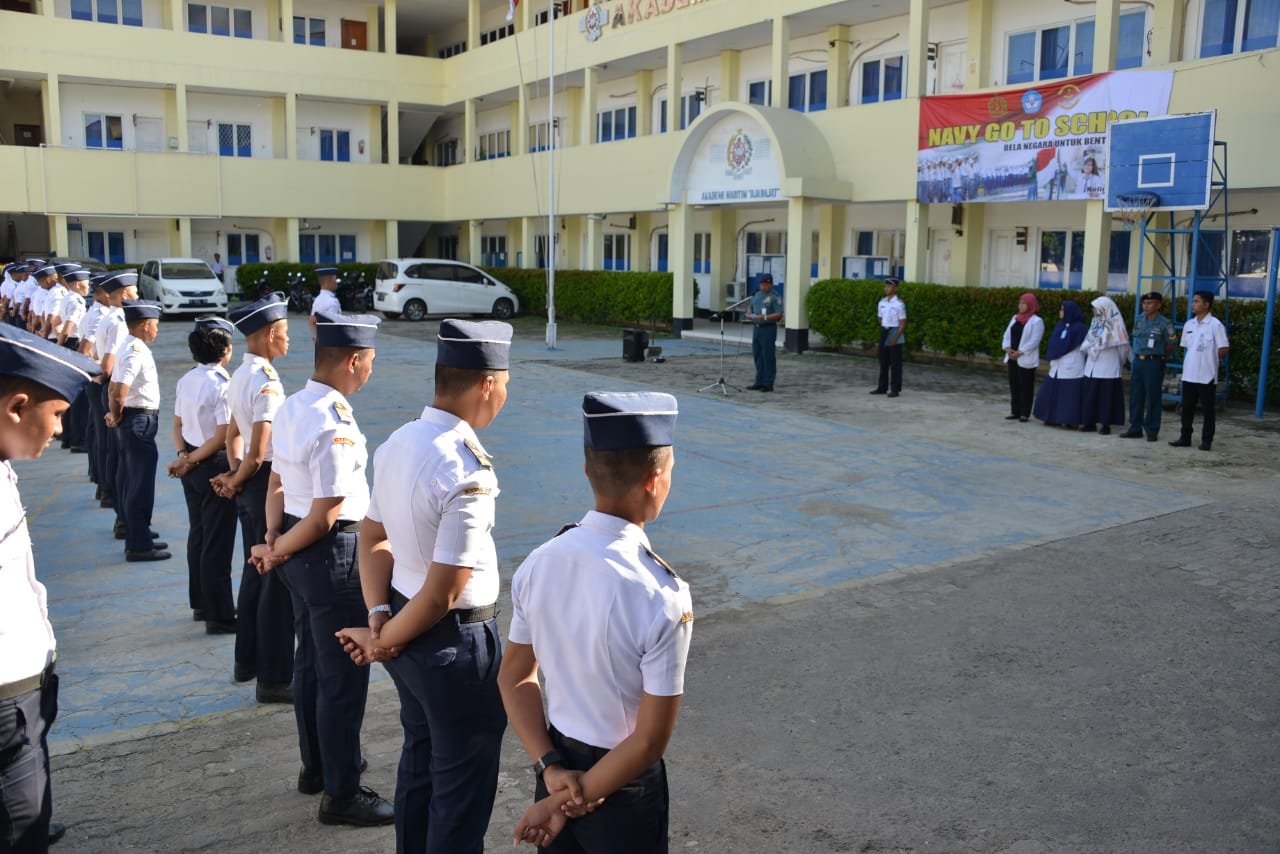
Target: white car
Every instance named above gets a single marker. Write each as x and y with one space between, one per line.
416 287
182 286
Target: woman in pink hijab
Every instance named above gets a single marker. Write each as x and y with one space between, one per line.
1022 354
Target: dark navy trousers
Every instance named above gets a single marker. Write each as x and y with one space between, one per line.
1146 396
329 690
264 622
136 481
890 363
211 541
764 340
104 445
26 801
453 722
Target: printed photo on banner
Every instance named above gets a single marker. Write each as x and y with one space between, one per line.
1036 143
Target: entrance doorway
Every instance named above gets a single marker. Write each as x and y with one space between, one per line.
355 35
939 257
1005 265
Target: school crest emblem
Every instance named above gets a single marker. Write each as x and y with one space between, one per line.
592 24
738 153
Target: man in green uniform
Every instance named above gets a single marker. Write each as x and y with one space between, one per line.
1153 341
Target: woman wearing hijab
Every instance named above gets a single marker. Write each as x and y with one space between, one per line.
1022 354
1105 347
1059 402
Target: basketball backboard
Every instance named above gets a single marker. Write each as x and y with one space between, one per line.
1170 156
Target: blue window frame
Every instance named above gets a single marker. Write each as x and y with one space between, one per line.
882 79
1055 52
1218 35
1131 43
664 253
235 140
1083 51
235 252
335 145
1225 30
242 23
865 243
106 246
220 20
131 13
252 245
759 92
1021 60
97 246
807 93
328 248
107 12
307 248
197 18
326 145
1261 24
346 248
82 10
103 131
796 92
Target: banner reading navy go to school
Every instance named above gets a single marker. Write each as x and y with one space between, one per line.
1047 141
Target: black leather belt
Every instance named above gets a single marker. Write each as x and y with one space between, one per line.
563 741
130 411
342 526
25 686
462 615
1149 358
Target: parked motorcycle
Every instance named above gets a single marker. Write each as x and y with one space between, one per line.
300 297
355 295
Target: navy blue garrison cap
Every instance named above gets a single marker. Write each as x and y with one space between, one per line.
327 271
475 344
214 322
254 316
618 420
62 371
79 275
135 310
118 280
64 269
891 280
346 330
46 271
34 264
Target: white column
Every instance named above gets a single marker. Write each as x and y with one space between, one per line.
799 261
675 85
680 262
779 63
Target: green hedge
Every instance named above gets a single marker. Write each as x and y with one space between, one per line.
594 296
969 321
279 271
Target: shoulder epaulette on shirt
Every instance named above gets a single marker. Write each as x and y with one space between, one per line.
568 527
474 447
343 412
271 373
662 563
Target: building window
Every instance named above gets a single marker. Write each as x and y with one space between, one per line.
540 138
452 50
309 31
760 92
106 246
701 252
447 152
243 249
807 93
1066 50
326 248
335 145
1234 26
690 109
494 145
447 247
127 12
493 250
219 20
561 8
766 242
617 251
1061 259
883 79
616 124
498 34
103 131
235 140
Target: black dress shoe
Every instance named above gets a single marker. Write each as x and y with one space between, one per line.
1104 430
878 391
151 554
311 780
121 533
275 692
1011 418
220 627
893 394
766 388
76 449
1089 428
1204 446
753 387
57 830
106 502
197 616
1153 438
1129 434
363 809
1180 443
244 672
1023 420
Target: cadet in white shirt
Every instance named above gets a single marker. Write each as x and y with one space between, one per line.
109 335
45 279
317 498
264 622
134 399
201 413
1204 342
69 317
614 659
327 298
37 379
24 290
427 553
13 274
892 313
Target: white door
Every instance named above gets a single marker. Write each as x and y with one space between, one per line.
951 58
148 133
1004 263
198 137
939 257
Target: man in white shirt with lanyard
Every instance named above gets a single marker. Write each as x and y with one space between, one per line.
37 379
613 657
327 297
427 553
134 398
1204 342
316 499
892 313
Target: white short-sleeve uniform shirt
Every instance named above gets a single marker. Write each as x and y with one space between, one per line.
200 401
625 632
319 452
26 635
891 311
1202 339
435 491
256 394
136 367
110 333
89 325
326 301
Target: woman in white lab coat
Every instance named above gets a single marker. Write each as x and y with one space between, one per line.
1021 345
1106 348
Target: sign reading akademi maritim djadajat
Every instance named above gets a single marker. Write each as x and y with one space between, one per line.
612 15
734 163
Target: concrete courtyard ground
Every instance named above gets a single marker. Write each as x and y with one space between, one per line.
920 627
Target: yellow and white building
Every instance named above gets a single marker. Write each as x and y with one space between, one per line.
325 130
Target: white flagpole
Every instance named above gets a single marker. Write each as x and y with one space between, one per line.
551 182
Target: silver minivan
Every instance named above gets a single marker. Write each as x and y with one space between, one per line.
417 287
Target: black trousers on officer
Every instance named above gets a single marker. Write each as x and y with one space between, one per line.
890 363
1146 395
329 690
1203 395
26 798
137 481
211 541
633 820
103 441
764 351
1022 389
76 420
264 625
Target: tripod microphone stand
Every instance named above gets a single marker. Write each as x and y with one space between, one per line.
720 383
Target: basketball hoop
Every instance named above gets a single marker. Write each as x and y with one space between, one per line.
1134 208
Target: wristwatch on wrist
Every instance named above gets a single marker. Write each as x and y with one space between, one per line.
385 609
553 757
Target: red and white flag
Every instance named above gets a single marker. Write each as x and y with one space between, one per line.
511 9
